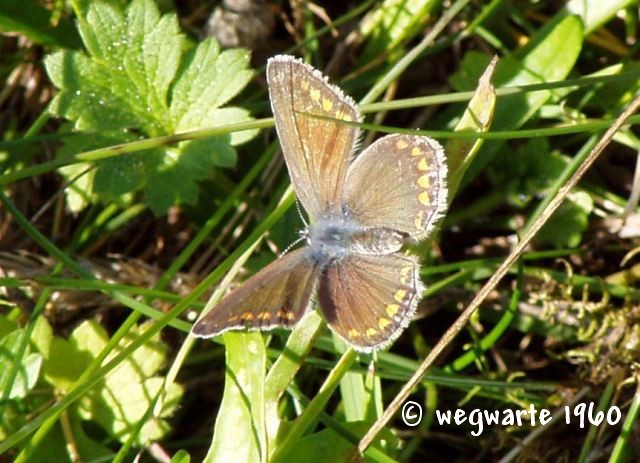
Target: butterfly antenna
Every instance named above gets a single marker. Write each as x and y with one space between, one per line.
303 233
288 248
306 225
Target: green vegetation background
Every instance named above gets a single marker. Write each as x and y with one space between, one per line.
138 167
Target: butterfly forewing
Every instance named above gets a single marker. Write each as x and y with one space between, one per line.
316 149
398 183
368 300
278 295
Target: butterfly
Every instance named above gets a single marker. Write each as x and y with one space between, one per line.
363 210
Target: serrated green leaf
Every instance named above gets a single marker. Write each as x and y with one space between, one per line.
208 80
140 76
223 116
83 187
28 367
94 96
120 175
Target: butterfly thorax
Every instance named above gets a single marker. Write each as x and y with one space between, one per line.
334 238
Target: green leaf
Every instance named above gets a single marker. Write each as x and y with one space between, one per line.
476 118
392 23
181 456
549 56
566 226
54 445
240 433
28 367
34 21
196 93
127 391
326 446
595 13
528 173
64 362
330 445
611 96
125 395
6 326
52 448
286 366
85 186
13 418
141 77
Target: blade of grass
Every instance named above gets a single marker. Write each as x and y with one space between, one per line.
488 341
403 63
603 403
131 147
315 407
623 445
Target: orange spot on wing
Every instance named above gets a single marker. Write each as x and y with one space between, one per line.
424 198
423 181
400 295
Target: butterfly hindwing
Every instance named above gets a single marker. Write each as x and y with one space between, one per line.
398 183
367 300
278 295
317 150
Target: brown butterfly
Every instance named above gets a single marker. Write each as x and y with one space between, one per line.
362 211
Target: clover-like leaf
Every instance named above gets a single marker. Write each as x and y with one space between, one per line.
21 380
140 77
121 400
125 395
